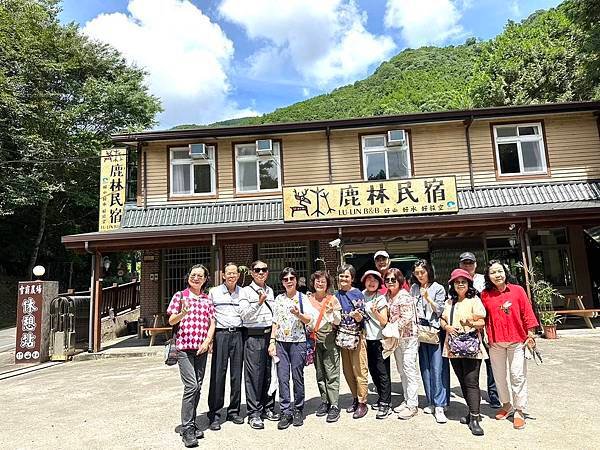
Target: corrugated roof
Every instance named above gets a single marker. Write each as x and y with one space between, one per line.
271 211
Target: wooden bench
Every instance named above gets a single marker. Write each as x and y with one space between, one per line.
581 311
158 327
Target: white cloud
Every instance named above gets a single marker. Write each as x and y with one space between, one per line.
187 57
322 41
305 92
426 22
515 8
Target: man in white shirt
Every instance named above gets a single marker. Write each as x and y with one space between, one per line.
257 317
228 346
468 262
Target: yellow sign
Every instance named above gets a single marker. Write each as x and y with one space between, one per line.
113 171
376 198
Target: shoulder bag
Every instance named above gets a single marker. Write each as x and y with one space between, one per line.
170 351
465 345
426 333
346 337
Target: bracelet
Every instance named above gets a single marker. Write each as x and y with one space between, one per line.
272 340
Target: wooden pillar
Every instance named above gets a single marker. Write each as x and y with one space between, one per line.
525 257
97 346
582 283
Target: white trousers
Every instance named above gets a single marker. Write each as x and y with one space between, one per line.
502 353
406 356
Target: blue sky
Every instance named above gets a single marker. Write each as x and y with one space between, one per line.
211 60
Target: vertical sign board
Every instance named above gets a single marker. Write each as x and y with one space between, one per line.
113 169
30 302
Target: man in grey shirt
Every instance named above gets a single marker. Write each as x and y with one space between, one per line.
468 262
257 317
227 346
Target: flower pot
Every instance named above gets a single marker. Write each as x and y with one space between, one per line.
550 331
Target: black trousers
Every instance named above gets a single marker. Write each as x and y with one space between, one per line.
491 383
257 374
228 346
467 372
380 371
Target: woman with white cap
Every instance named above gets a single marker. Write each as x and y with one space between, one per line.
377 317
463 319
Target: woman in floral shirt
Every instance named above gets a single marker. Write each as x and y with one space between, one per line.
402 311
288 343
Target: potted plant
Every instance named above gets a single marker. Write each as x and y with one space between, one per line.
543 296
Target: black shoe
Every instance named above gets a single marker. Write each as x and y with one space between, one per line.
466 419
353 406
298 418
270 415
474 426
383 412
235 419
496 405
333 415
215 425
322 410
375 406
188 438
256 423
285 421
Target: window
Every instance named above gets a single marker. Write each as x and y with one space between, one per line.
175 264
551 257
192 176
520 149
281 255
256 173
384 162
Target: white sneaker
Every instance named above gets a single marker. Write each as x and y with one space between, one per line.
407 412
428 409
400 407
439 415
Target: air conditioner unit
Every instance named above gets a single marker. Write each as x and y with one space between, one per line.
396 137
198 151
264 147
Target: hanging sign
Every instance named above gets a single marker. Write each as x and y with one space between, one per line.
376 198
113 169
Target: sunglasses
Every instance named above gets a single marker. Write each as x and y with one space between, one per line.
390 280
260 269
288 278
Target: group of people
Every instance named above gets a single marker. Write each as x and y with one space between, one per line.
272 338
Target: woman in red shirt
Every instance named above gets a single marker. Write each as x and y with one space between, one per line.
510 325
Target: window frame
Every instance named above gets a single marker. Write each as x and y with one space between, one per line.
386 149
211 161
277 157
540 138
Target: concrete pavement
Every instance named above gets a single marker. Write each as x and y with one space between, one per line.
7 339
135 402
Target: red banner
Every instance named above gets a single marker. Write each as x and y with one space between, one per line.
29 321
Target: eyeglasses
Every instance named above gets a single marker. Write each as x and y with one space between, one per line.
390 280
196 276
288 278
260 269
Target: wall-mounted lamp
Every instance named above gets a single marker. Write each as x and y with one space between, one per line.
106 263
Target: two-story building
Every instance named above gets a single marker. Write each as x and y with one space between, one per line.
526 190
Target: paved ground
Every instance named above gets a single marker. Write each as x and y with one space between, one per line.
134 403
7 339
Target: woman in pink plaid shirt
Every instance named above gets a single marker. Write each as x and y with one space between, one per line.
194 313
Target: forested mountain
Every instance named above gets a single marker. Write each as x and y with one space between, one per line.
552 56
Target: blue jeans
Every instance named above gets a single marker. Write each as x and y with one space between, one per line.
292 356
432 368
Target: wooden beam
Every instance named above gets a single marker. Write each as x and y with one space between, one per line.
97 346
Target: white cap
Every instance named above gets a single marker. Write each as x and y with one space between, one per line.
381 253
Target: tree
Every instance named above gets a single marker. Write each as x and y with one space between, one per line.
536 61
585 14
61 98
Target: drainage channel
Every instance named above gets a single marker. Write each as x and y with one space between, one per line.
25 370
